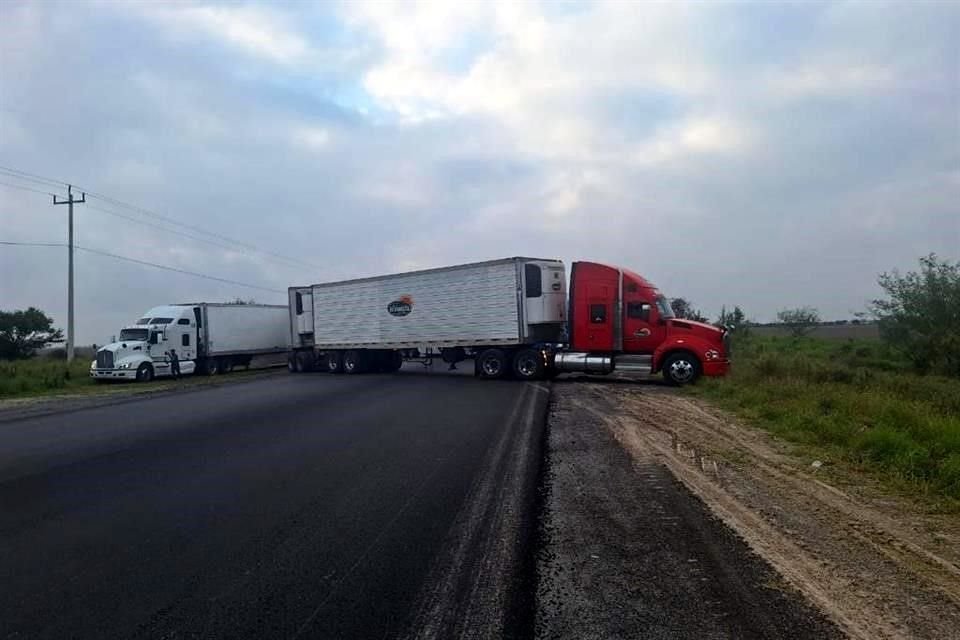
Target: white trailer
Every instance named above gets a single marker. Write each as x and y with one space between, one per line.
502 307
208 338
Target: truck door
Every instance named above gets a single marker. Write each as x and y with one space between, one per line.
597 311
642 331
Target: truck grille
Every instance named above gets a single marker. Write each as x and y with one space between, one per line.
104 360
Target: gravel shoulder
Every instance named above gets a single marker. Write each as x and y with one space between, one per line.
628 551
877 566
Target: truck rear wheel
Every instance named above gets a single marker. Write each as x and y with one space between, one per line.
681 368
292 363
145 372
393 361
212 366
493 364
333 362
528 365
353 361
304 361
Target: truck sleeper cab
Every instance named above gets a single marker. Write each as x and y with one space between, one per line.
619 321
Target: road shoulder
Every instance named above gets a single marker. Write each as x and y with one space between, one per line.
627 551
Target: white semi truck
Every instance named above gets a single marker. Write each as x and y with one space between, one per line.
209 338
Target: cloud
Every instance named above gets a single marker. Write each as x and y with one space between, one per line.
761 155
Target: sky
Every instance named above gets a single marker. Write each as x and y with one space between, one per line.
767 155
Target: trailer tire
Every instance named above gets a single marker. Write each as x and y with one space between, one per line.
354 361
493 364
212 366
304 363
145 372
680 368
226 365
393 361
292 363
528 365
333 362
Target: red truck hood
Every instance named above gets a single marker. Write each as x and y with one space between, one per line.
701 329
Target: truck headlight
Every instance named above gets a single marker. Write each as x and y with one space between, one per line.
125 365
712 354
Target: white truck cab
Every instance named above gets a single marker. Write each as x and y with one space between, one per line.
142 352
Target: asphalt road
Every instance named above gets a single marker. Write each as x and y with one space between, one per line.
292 506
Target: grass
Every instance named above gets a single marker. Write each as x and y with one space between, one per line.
850 402
40 376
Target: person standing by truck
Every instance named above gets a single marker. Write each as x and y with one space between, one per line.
174 364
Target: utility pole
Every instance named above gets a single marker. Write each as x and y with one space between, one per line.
70 201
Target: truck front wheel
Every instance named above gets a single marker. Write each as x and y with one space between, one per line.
145 372
528 365
681 368
493 364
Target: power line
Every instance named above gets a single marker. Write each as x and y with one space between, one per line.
141 262
184 271
26 175
17 173
33 244
162 228
18 186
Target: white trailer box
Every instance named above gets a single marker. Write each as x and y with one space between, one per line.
234 329
513 301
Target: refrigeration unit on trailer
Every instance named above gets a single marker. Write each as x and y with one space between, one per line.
512 316
208 338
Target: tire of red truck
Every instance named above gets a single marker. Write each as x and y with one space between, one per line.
333 362
493 364
528 365
353 361
680 368
393 361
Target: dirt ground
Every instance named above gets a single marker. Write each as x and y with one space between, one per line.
877 566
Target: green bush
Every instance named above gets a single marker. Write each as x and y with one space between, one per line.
853 402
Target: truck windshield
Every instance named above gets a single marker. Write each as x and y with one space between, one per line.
133 334
663 306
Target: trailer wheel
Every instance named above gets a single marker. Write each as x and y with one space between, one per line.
353 361
528 364
292 363
493 364
304 362
394 361
681 368
145 372
212 366
333 362
226 365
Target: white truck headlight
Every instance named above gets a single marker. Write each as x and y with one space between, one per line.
125 365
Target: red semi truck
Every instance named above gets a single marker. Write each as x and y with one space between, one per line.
511 316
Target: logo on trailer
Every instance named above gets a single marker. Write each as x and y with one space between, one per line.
400 307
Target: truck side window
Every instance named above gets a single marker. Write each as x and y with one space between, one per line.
532 275
299 304
638 311
185 340
598 313
183 321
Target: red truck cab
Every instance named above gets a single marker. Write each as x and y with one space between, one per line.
619 318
